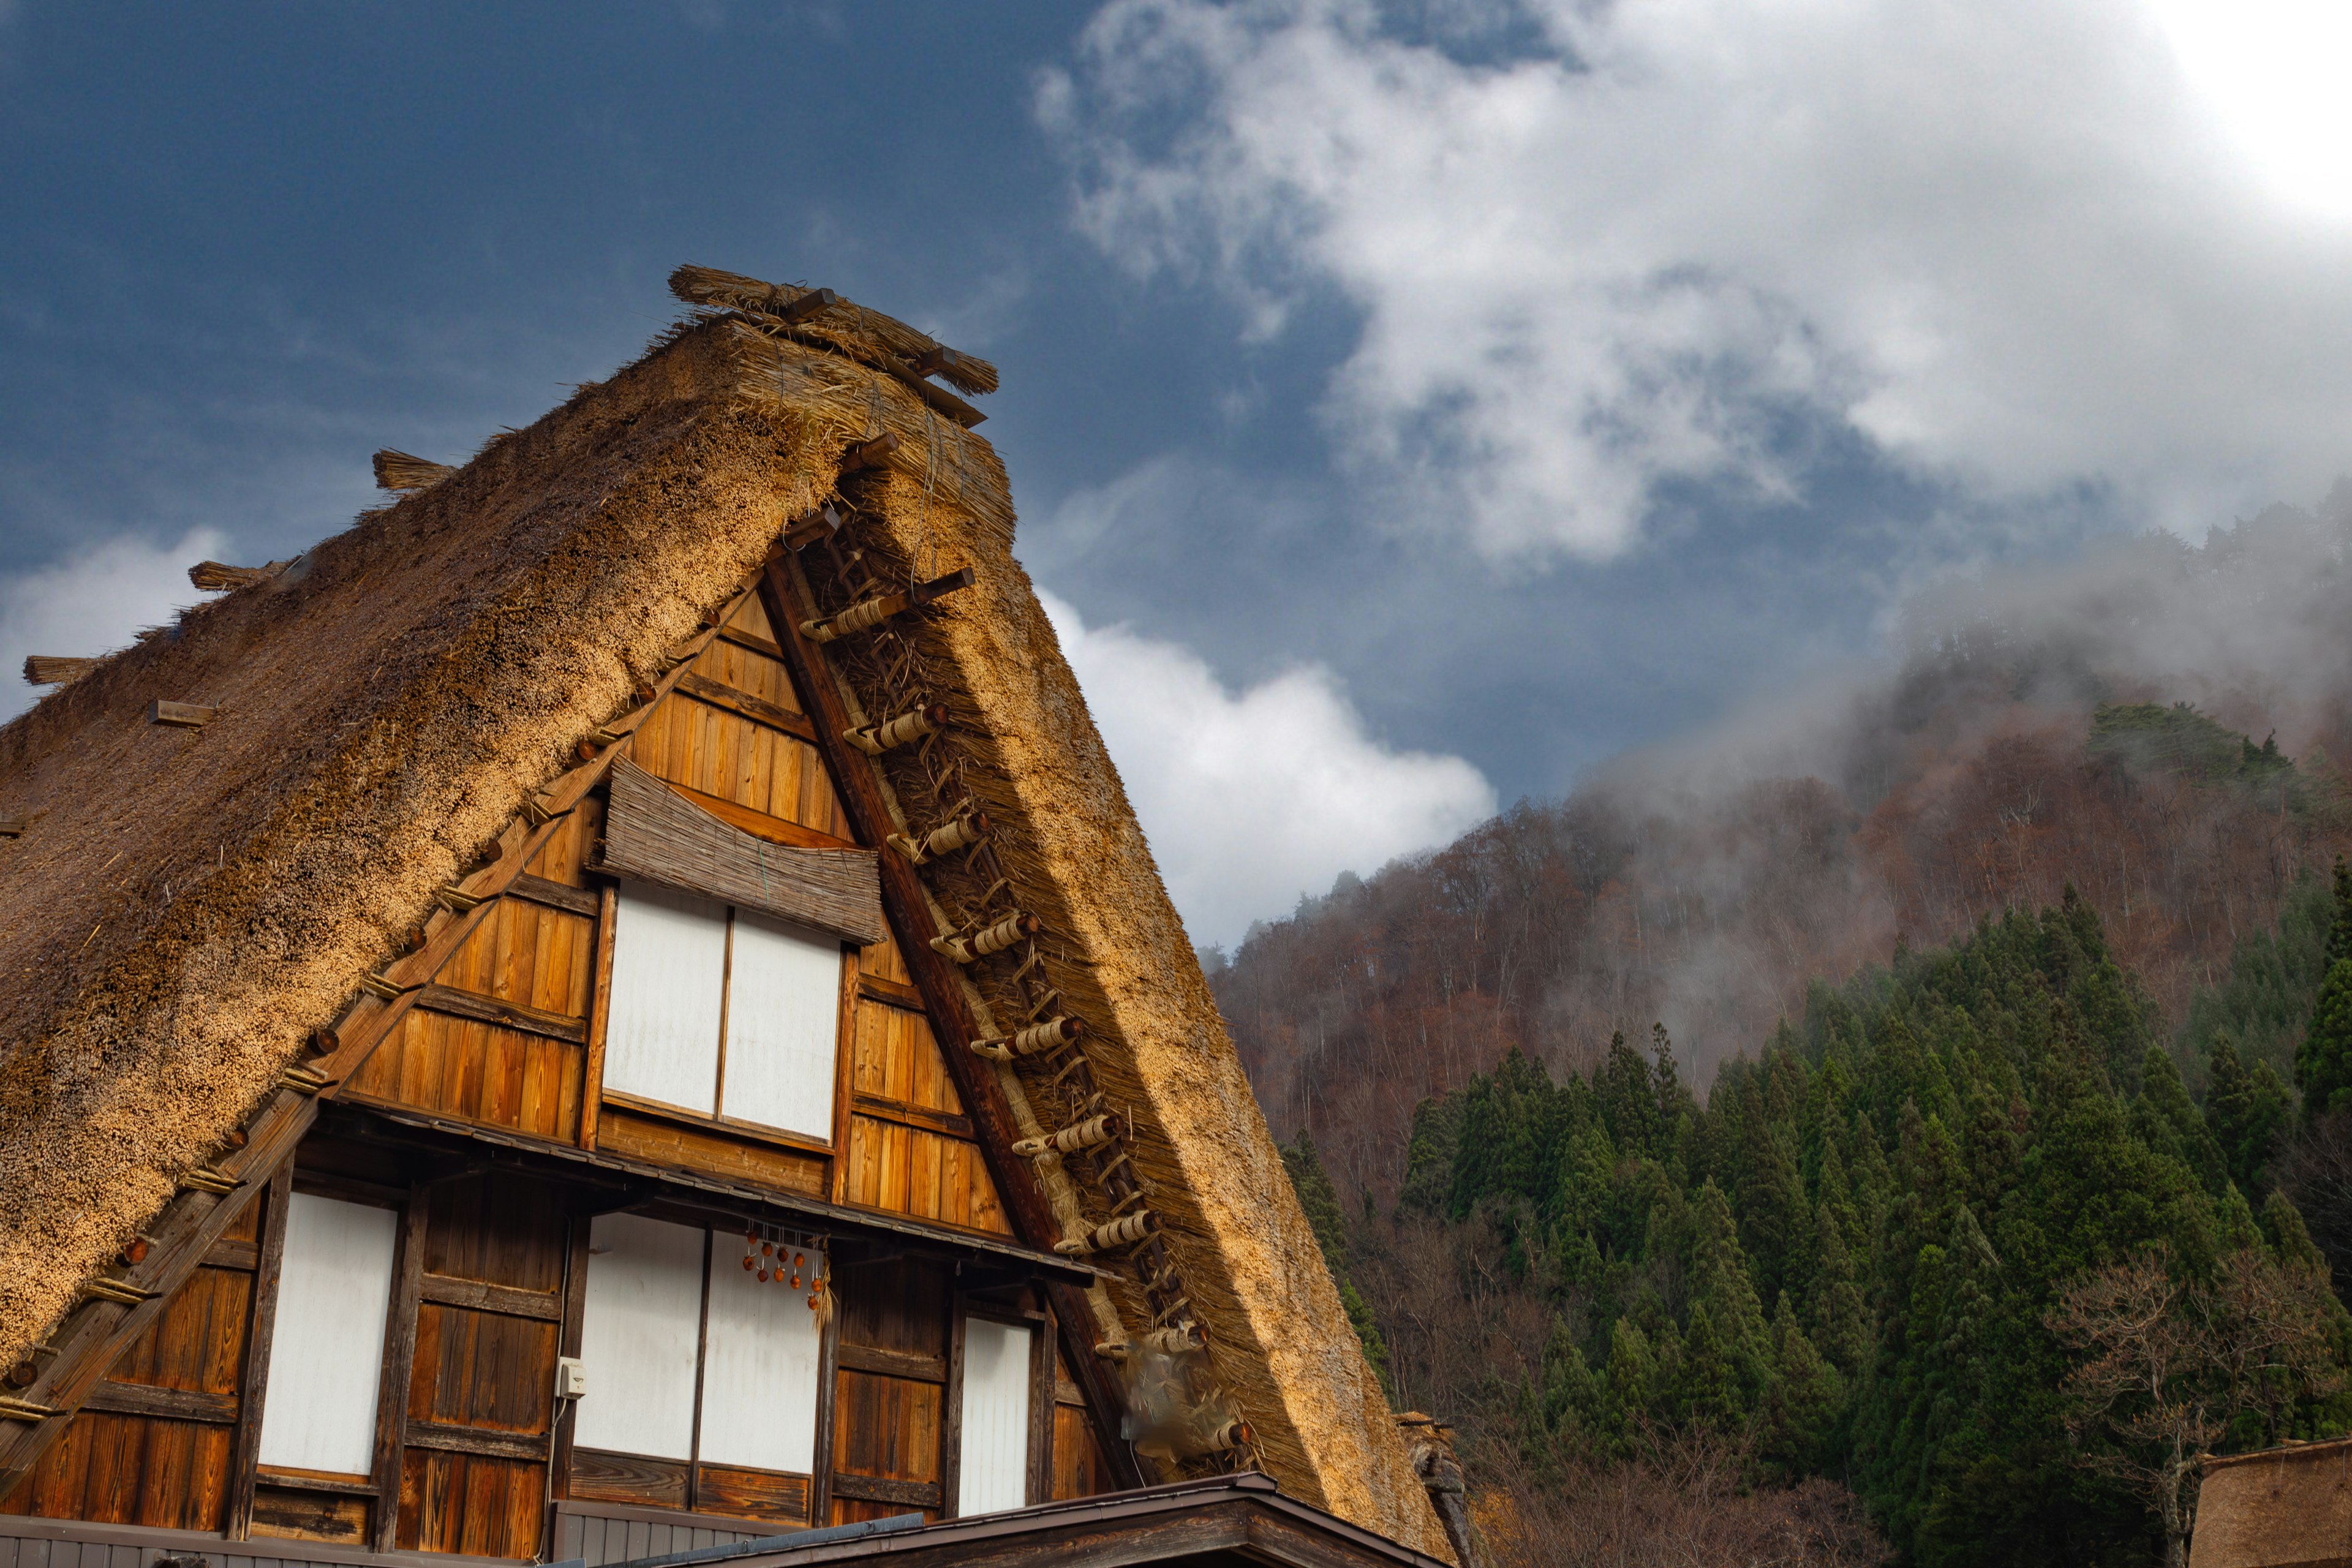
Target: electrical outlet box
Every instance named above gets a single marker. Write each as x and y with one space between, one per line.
571 1377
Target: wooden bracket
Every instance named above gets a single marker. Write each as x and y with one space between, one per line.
187 715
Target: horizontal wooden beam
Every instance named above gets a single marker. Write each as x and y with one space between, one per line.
172 1403
554 895
879 1489
892 1364
478 1296
452 1439
721 695
905 1115
751 640
506 1015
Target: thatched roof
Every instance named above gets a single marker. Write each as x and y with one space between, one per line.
187 903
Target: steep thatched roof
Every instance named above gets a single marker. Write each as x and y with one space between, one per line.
188 903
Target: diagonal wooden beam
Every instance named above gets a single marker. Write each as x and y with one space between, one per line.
788 604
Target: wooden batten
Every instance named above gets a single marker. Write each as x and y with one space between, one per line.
868 454
52 669
186 715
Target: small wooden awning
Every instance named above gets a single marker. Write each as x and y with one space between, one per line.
655 834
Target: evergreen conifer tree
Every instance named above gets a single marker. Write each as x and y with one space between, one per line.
2245 1111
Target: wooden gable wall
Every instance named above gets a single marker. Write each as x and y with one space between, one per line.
487 1284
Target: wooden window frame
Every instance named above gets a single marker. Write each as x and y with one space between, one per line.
1038 1467
381 1483
595 1094
574 1331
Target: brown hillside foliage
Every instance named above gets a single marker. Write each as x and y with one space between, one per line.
1707 887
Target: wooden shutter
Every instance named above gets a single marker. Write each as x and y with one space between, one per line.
669 981
783 1021
638 1333
993 1472
326 1353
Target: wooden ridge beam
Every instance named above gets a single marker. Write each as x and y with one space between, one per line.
787 603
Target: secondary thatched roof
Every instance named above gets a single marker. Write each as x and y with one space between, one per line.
188 903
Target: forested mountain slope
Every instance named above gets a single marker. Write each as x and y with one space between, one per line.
2157 726
1880 1252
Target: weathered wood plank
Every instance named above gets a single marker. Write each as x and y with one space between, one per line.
749 706
441 1290
178 1403
508 1015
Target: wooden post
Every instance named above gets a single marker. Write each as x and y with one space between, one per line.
951 1410
399 1356
787 604
600 1014
1041 1404
254 1385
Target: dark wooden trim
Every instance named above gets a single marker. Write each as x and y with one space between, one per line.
348 1189
757 709
782 594
455 1439
701 1361
844 1053
751 640
877 1488
508 1015
600 1016
171 1403
951 1409
876 988
317 1481
828 1390
554 895
238 1254
734 1127
929 1121
575 1314
1042 1381
545 1305
255 1384
894 1363
399 1356
589 1507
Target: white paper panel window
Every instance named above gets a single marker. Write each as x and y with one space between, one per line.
669 975
995 1444
637 1336
326 1357
759 1371
783 1016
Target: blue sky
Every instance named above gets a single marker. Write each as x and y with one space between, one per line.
1408 405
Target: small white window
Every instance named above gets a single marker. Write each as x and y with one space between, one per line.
721 1011
642 1323
994 1472
326 1352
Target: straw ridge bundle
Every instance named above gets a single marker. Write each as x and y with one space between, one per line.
859 332
397 471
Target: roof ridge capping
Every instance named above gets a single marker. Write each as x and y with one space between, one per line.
834 318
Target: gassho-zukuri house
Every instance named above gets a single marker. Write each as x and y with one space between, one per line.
617 1007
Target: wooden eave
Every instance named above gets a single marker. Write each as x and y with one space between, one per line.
641 1180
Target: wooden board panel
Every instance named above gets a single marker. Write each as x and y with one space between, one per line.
748 670
750 1494
857 1510
283 1513
886 1428
498 1228
482 1370
526 953
630 1478
198 1342
1079 1469
625 1131
900 1305
714 752
478 1072
464 1502
910 1171
884 961
130 1470
565 853
897 1057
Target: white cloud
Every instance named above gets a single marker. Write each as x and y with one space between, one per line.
2014 246
92 603
1250 800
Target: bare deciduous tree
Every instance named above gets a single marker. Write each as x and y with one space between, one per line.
2171 1362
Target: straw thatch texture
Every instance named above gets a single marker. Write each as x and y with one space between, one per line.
194 900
